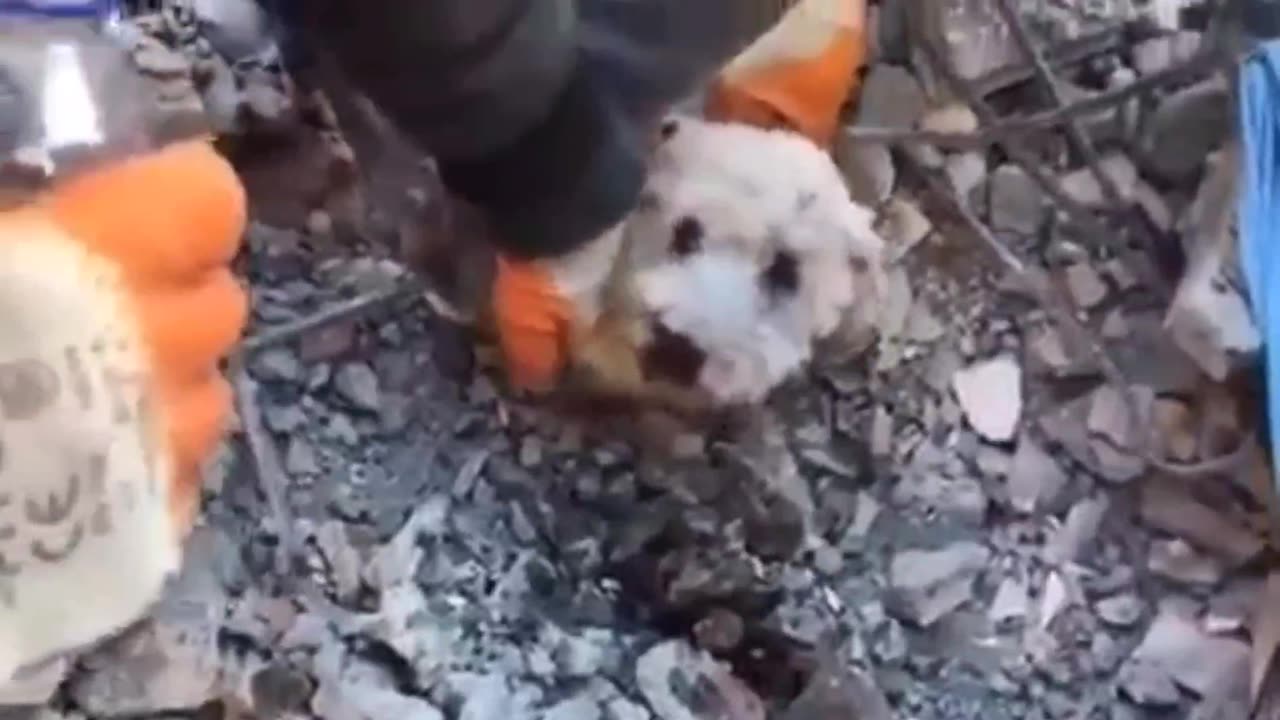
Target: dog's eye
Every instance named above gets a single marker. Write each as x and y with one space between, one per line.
686 239
783 274
668 129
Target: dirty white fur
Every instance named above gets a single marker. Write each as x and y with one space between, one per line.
754 194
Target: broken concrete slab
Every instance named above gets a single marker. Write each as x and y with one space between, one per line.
1168 505
1194 659
990 393
925 585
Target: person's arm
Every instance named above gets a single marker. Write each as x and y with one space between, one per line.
538 111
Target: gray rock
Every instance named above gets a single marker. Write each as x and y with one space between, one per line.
277 365
1185 128
1149 685
1017 203
357 384
1082 185
890 97
1193 658
1086 285
868 170
926 585
961 498
300 458
278 690
283 419
1121 611
990 392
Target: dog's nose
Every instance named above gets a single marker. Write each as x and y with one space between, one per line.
672 356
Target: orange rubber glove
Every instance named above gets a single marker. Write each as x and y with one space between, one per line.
117 304
538 306
799 74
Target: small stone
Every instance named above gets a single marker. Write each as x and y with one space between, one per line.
357 384
1086 286
1121 611
284 419
277 365
868 170
1017 203
903 226
952 119
838 691
300 458
890 97
1011 601
1148 685
279 690
1082 185
927 585
990 393
828 560
1196 660
1036 480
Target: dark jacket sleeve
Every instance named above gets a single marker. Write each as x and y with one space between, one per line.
538 111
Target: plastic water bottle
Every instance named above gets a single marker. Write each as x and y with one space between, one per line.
70 97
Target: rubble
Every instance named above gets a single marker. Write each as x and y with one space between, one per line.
926 585
942 529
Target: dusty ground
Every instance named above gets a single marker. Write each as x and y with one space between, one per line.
965 523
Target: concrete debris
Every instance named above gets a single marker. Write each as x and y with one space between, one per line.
1086 285
990 393
903 226
868 171
1016 203
891 97
1120 611
923 531
1082 185
1197 661
926 585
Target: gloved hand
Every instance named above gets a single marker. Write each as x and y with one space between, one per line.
799 74
540 305
116 302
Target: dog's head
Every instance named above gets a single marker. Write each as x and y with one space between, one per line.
746 248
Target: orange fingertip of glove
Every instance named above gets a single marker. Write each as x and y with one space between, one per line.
532 320
172 221
166 216
800 89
